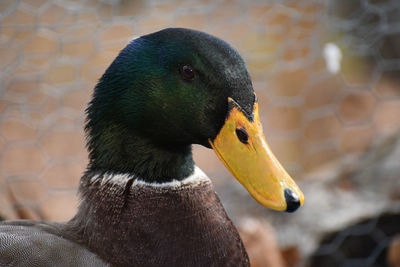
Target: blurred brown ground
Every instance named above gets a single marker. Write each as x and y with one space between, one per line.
52 53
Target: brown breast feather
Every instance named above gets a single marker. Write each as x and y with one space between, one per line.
138 224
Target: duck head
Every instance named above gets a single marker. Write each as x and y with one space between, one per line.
177 87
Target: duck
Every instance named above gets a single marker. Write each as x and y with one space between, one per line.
143 200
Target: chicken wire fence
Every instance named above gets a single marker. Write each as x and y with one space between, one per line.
326 74
367 243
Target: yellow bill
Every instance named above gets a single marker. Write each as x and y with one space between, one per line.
241 146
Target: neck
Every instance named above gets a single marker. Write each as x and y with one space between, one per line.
130 222
117 150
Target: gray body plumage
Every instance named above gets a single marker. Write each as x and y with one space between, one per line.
27 243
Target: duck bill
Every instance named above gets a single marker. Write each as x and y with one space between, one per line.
241 146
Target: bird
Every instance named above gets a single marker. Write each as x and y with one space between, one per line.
143 200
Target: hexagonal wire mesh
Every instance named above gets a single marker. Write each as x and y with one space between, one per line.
326 74
363 244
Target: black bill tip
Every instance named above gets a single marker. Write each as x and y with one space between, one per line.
292 200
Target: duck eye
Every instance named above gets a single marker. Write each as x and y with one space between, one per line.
187 72
242 135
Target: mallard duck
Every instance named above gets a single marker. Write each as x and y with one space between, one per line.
144 202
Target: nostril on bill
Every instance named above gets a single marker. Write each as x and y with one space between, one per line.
292 200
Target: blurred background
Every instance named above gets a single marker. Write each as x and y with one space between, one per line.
327 76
